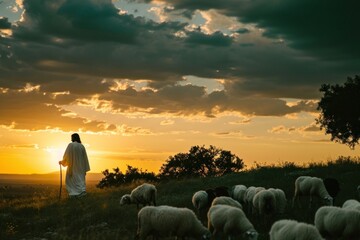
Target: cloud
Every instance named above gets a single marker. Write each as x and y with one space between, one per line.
76 51
35 110
215 39
325 30
167 122
26 146
4 23
233 134
312 128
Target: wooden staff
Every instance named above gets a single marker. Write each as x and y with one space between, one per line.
60 181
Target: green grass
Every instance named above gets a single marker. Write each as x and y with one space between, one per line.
34 211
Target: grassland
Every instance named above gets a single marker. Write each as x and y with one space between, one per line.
34 211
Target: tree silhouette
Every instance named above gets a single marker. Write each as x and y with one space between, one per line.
340 111
117 178
201 162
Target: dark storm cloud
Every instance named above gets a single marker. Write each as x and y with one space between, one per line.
193 100
77 49
325 29
83 20
4 23
215 39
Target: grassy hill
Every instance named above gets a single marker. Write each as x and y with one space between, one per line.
34 212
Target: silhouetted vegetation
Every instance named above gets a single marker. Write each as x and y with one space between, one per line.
340 111
117 178
198 162
201 162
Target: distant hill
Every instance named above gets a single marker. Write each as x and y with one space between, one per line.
48 178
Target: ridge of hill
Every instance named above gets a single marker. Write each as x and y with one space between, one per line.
46 178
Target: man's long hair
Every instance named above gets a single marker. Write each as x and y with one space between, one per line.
75 138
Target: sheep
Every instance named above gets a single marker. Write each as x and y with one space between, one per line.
311 186
264 206
238 193
226 201
280 198
216 192
144 194
166 221
351 204
338 223
201 203
286 229
230 221
249 195
358 191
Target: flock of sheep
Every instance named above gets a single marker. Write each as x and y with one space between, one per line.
225 213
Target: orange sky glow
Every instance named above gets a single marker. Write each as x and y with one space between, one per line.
151 79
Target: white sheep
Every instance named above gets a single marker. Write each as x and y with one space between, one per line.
231 221
201 203
144 194
226 201
351 204
280 198
286 229
264 206
167 221
311 186
338 223
238 193
249 195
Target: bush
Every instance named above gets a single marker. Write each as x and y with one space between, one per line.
117 178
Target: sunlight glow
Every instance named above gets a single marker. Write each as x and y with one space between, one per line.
54 155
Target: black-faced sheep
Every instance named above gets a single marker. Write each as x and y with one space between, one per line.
311 186
144 194
202 199
332 187
338 223
238 193
226 201
217 192
167 221
291 229
280 198
351 204
230 221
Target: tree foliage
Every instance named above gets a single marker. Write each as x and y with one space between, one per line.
201 162
340 111
117 178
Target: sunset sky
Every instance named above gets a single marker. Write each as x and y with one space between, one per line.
143 80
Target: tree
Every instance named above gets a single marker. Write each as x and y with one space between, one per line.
201 162
340 111
117 178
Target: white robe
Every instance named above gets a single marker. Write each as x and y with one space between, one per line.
76 160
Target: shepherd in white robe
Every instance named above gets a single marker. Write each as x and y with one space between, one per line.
76 160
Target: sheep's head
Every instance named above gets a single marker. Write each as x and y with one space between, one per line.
251 235
206 235
329 201
125 199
